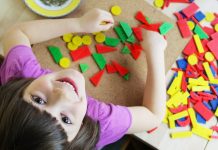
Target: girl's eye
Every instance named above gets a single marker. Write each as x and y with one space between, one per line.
65 119
38 100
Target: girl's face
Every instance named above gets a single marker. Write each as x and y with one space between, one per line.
62 94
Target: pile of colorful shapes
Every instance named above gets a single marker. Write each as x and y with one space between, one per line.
165 3
193 90
129 37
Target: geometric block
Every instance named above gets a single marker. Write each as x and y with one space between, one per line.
80 53
182 63
199 16
56 53
212 45
100 60
184 28
200 119
183 134
96 77
203 111
190 10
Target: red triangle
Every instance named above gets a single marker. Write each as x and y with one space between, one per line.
138 33
80 53
140 17
104 49
122 70
96 78
190 48
152 27
110 68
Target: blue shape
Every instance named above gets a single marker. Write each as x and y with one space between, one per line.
182 64
200 119
214 104
207 105
213 71
199 16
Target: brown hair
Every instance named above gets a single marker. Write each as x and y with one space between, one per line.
25 127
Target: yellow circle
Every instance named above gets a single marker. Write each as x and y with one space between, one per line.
191 25
67 37
116 10
77 40
158 3
216 27
87 40
64 62
100 37
209 17
192 59
209 56
71 46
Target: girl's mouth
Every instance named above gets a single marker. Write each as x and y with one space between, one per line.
69 82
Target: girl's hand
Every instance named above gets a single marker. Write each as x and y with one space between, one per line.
96 20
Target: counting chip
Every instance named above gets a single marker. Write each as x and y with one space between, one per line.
67 37
64 62
209 57
77 40
192 59
209 16
116 10
191 25
216 27
158 3
71 46
86 40
100 37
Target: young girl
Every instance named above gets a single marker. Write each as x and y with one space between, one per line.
41 109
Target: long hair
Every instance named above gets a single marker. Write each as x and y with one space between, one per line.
24 127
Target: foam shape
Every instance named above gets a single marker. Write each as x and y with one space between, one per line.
104 49
183 134
138 33
83 67
203 111
183 123
192 59
214 128
125 50
100 60
192 117
201 33
198 82
56 53
165 28
152 27
214 35
184 28
216 27
175 85
126 77
200 119
80 53
198 44
77 40
64 62
190 10
127 29
214 22
216 113
214 104
184 83
96 77
71 46
100 37
121 34
172 123
208 71
109 41
200 88
140 17
116 10
158 3
209 16
202 132
199 16
191 25
67 37
179 115
110 68
86 40
131 39
209 57
208 30
121 70
190 48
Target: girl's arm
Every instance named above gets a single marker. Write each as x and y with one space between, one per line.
151 114
37 31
